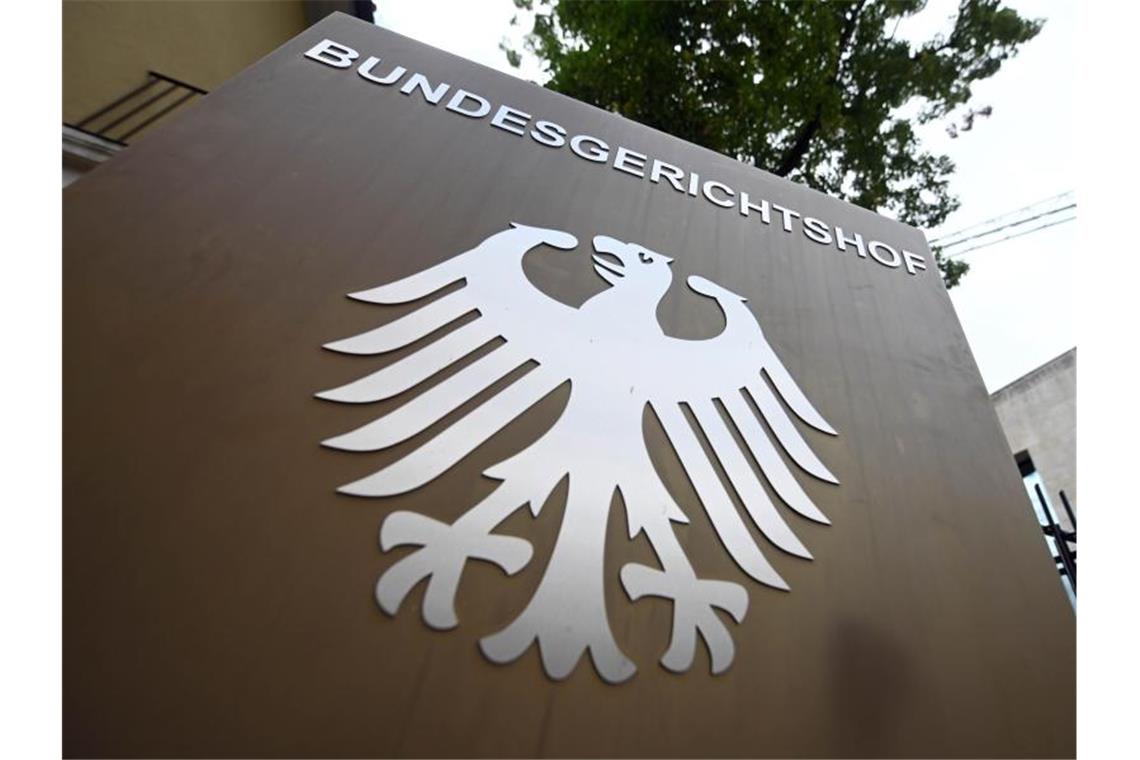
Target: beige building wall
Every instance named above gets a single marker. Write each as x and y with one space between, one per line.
1038 413
108 47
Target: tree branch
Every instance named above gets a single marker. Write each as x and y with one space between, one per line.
795 154
799 148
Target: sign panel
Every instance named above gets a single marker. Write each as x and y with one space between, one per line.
619 446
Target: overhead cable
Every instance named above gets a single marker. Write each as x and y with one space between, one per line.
956 254
1018 223
998 218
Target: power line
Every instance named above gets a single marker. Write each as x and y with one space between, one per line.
956 254
1018 223
999 217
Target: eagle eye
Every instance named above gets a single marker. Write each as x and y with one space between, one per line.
645 257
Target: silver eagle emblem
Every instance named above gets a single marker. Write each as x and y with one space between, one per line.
617 359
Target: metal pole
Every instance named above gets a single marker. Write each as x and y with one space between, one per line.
1069 510
1054 530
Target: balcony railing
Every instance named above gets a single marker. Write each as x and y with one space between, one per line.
118 121
1066 556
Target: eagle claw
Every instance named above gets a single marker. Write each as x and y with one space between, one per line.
694 601
445 549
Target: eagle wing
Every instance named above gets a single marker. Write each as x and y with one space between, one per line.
738 377
508 307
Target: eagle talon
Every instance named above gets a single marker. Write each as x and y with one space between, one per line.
694 601
445 550
561 639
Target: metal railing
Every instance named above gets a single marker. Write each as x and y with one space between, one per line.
1066 556
126 116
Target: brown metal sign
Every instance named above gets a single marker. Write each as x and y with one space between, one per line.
616 401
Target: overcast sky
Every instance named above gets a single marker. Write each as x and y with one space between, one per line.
1016 302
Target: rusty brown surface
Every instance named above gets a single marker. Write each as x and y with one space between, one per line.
218 593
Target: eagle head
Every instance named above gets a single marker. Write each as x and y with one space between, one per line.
631 266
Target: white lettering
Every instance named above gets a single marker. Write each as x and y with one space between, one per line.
332 54
456 104
913 261
708 187
788 215
841 242
391 77
511 120
549 133
431 95
817 230
746 205
626 160
599 154
875 247
674 175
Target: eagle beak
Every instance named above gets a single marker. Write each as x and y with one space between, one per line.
609 261
606 275
609 267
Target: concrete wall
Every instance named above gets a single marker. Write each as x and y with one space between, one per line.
1039 414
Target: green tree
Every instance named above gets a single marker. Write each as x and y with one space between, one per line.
822 93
